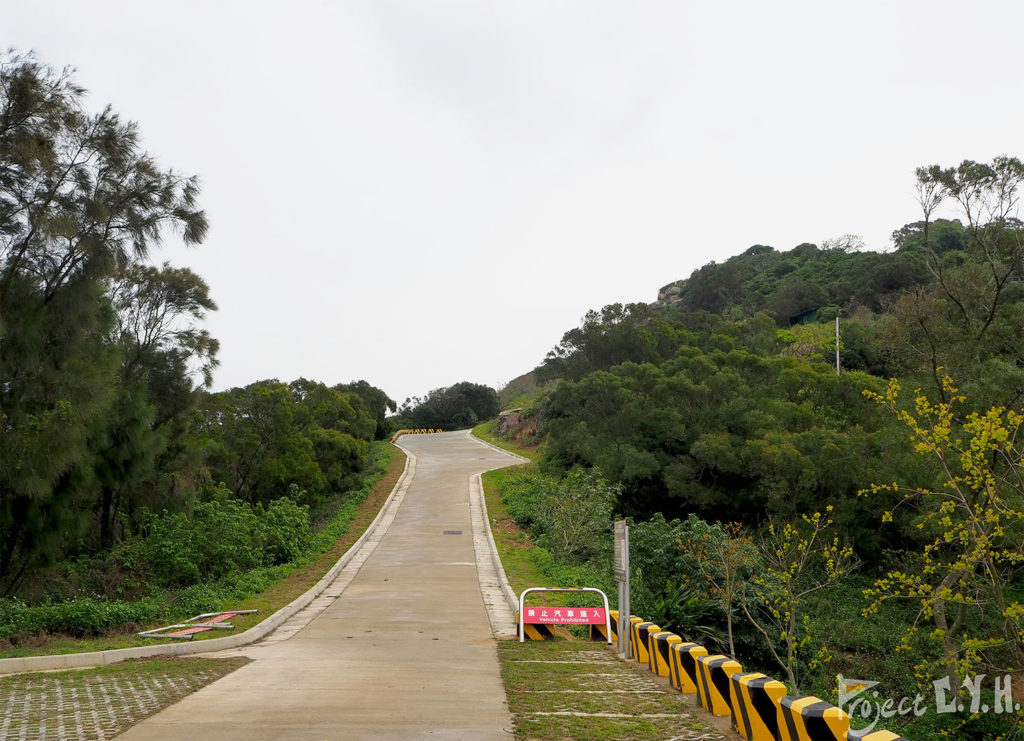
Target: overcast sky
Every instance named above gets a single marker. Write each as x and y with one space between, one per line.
420 193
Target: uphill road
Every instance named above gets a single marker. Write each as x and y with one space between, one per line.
401 646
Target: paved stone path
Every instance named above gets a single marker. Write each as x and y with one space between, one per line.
403 650
593 694
94 706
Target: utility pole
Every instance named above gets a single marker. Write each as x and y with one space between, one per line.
837 344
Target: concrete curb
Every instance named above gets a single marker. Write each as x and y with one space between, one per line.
253 634
510 596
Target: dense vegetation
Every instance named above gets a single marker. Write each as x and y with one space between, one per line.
458 406
862 527
129 491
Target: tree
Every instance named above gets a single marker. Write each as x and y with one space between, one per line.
615 335
798 560
262 439
458 406
374 401
725 556
165 358
973 523
79 201
974 309
576 515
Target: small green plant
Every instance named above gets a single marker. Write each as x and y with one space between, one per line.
725 556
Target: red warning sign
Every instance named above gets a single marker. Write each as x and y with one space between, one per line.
565 615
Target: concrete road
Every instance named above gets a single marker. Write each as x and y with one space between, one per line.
405 652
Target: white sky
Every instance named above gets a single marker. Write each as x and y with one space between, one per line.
420 193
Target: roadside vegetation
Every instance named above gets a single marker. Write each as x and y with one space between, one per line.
90 623
811 523
129 492
459 406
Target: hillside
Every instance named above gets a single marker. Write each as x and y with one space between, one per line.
897 503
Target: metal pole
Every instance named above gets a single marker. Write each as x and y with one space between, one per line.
622 577
837 343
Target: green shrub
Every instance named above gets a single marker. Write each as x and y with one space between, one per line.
222 537
80 618
223 554
283 530
522 492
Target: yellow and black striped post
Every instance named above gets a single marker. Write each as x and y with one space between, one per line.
683 666
754 698
641 641
811 719
713 674
873 736
536 631
660 646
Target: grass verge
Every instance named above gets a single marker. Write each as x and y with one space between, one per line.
572 689
347 525
582 691
486 432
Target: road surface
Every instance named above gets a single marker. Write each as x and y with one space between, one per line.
402 647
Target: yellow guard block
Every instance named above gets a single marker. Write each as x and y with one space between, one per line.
811 719
755 705
641 641
660 646
713 674
683 666
874 736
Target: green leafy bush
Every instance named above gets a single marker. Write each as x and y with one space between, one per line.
270 542
80 618
222 537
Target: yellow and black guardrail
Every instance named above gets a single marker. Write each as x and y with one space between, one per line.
713 673
758 704
641 641
536 631
873 736
429 431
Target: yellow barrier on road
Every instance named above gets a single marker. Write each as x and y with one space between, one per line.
633 621
713 673
683 666
755 705
758 704
660 647
811 719
399 433
599 631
